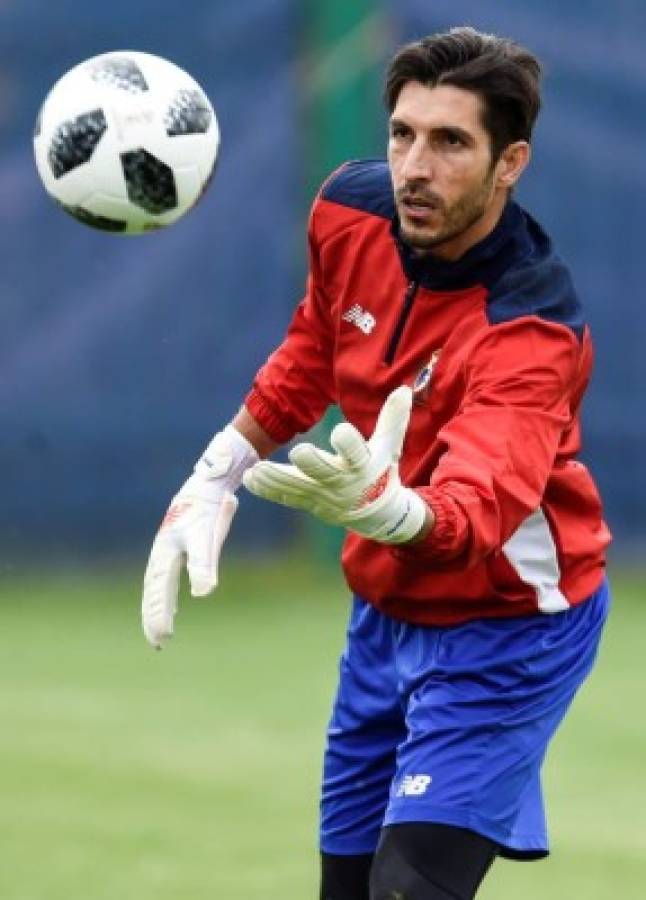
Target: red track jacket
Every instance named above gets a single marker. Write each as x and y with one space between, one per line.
499 357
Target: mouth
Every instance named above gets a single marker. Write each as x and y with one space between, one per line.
419 208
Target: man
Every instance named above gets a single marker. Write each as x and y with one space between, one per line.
439 318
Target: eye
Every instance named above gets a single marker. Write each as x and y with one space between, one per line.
451 138
399 130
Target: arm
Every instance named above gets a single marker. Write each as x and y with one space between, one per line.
262 443
295 386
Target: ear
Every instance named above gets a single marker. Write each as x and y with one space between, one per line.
512 163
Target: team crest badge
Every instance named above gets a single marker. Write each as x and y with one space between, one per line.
422 383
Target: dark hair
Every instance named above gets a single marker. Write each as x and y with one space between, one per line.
505 76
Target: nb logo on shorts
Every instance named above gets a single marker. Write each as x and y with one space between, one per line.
413 785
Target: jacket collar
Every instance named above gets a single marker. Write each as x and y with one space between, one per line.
481 264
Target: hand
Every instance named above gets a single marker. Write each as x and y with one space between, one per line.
359 487
194 530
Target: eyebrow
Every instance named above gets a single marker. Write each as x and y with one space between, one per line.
462 133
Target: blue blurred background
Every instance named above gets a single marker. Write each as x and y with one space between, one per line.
120 357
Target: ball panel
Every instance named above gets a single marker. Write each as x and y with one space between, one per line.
103 223
121 209
120 72
149 181
188 113
74 142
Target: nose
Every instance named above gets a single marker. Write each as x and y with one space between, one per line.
418 162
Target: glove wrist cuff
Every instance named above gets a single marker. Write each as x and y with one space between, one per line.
227 457
411 519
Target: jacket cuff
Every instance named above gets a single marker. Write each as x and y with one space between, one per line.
450 533
277 425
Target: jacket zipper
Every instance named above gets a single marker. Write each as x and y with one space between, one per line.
409 296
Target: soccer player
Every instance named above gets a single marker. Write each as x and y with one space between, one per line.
440 319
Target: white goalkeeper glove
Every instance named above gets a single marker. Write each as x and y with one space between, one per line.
359 487
193 530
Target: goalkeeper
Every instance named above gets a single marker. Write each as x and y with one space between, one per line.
441 321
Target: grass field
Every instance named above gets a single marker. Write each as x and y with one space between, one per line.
193 773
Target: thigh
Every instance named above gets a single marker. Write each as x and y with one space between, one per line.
480 717
365 729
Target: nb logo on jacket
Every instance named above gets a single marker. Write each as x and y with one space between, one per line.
365 321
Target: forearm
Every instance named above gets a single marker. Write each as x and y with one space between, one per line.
249 428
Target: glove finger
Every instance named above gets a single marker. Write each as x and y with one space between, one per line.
204 542
160 592
315 463
228 509
392 421
350 445
281 484
274 487
279 474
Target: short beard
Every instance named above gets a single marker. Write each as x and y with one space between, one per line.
458 218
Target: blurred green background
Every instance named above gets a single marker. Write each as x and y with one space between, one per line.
193 772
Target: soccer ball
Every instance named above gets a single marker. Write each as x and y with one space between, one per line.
126 142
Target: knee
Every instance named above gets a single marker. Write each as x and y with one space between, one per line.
422 861
396 874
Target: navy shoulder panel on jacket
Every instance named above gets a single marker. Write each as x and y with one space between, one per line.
538 283
364 185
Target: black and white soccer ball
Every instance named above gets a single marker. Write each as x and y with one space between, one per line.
126 142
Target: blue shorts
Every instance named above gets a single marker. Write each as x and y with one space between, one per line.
451 725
